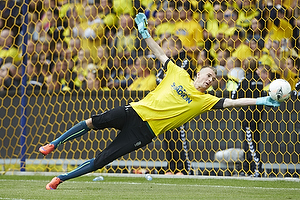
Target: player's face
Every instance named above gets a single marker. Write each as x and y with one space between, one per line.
205 78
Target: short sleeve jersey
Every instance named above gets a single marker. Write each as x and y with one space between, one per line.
174 102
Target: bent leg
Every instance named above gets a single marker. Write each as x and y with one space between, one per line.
76 131
113 118
134 135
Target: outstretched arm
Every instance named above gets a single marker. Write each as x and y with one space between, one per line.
267 101
157 50
141 21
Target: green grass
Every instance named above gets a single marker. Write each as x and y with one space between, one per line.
33 187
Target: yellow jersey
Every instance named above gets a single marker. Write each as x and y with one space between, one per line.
174 102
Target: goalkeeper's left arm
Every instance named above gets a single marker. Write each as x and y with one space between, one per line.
267 101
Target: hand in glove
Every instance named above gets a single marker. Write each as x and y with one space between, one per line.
141 21
267 101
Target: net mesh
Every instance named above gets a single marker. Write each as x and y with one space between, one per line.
84 57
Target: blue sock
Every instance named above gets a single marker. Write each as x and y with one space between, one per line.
84 168
76 131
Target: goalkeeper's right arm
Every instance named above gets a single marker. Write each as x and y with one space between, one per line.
157 50
141 21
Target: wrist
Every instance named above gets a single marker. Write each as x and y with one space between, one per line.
260 101
145 34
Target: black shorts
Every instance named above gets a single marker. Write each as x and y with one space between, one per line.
134 133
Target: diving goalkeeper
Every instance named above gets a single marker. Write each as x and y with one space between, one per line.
175 101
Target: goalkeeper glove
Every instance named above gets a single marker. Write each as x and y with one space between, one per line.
141 21
267 101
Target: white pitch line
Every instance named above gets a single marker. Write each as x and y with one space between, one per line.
166 184
215 186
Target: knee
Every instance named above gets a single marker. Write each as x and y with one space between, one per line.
89 123
92 164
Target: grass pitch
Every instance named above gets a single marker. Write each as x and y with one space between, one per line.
137 187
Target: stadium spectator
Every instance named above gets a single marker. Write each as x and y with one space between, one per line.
278 24
31 48
102 53
257 31
189 30
3 75
126 6
215 18
241 49
10 16
49 23
145 70
204 59
295 21
222 56
32 29
83 64
71 24
63 78
290 70
159 18
47 5
35 7
7 46
124 42
174 49
122 77
230 18
36 79
96 80
247 11
164 23
232 62
74 49
109 18
126 47
227 27
61 49
235 73
51 4
220 65
272 56
250 65
152 8
221 79
256 47
214 23
46 48
12 82
91 31
163 109
254 85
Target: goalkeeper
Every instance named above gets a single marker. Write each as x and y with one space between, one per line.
175 101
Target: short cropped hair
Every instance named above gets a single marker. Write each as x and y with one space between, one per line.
210 67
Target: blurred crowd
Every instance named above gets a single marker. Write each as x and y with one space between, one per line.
94 44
